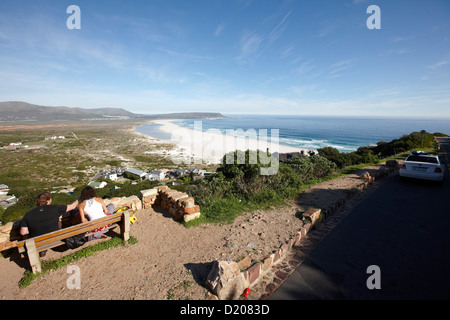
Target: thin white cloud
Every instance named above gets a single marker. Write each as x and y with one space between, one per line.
340 66
328 28
287 50
304 68
219 29
386 92
439 64
307 89
253 44
359 1
278 30
250 45
396 52
401 39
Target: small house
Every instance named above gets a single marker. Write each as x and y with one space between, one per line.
139 173
4 189
97 185
112 176
156 175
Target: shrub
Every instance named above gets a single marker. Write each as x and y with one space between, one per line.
239 186
372 154
315 166
342 160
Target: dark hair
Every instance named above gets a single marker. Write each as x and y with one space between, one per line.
41 200
87 193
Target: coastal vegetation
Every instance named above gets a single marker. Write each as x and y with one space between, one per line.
54 165
382 150
232 190
239 186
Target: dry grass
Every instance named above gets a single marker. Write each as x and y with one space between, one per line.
88 148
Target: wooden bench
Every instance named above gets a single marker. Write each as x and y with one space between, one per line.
47 241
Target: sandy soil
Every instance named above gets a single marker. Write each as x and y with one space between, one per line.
169 260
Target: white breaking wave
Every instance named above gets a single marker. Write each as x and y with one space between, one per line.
315 144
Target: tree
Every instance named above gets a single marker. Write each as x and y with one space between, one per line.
243 163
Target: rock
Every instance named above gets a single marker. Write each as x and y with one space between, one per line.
162 188
173 211
254 272
267 263
392 164
148 192
245 263
226 281
192 210
189 217
137 205
6 228
367 177
312 214
187 202
179 196
118 202
148 197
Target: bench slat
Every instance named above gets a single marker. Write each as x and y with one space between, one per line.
59 242
52 242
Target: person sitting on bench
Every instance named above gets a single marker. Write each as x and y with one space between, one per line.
92 207
44 218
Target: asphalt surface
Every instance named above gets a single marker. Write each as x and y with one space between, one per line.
402 228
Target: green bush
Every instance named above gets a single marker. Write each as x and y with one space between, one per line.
311 167
405 143
372 154
340 159
239 186
17 211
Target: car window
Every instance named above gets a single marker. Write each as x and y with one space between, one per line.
422 159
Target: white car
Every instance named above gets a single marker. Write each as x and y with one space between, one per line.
420 165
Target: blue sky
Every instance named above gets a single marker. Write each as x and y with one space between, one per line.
234 56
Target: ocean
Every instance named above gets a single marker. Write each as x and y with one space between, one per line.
346 134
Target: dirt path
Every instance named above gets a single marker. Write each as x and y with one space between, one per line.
169 260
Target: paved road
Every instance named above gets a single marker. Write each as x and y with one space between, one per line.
403 228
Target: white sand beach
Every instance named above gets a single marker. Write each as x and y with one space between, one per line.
193 146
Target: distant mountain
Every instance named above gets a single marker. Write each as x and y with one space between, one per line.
22 111
186 115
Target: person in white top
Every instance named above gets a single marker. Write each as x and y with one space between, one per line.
92 207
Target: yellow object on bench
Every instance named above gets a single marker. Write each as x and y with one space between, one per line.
122 209
54 239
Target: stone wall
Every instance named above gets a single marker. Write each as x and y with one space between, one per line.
178 204
228 282
9 234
